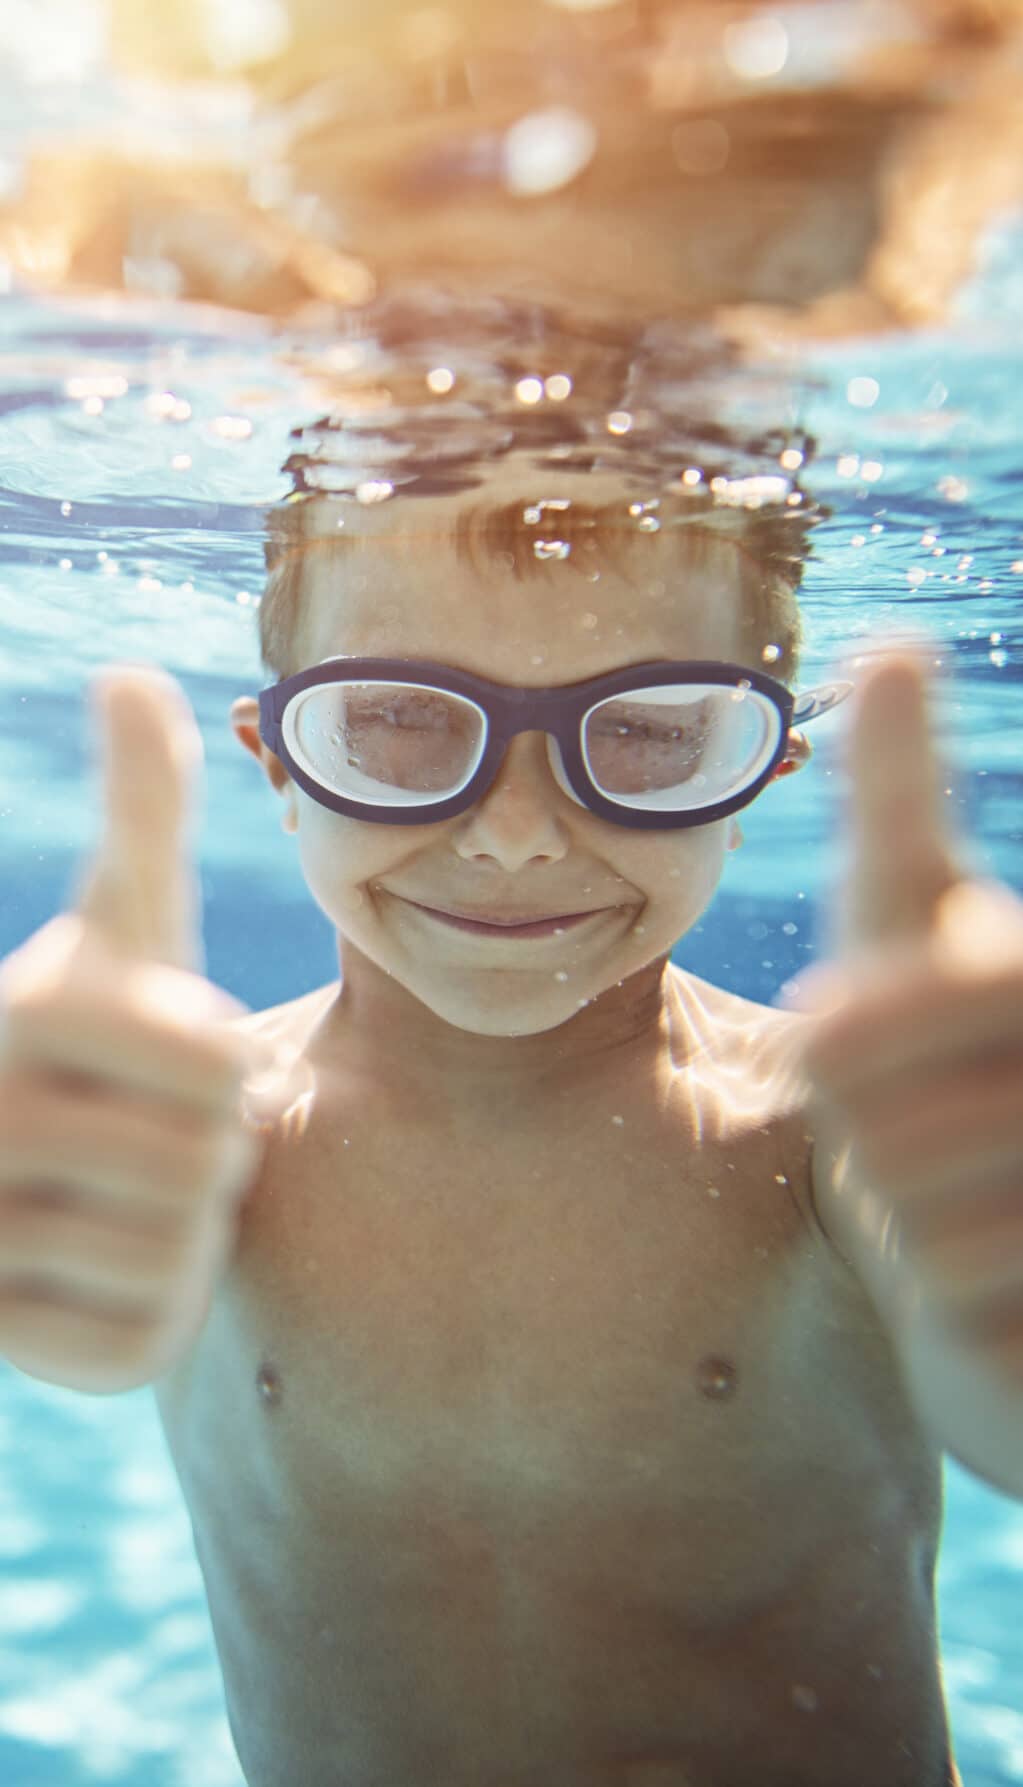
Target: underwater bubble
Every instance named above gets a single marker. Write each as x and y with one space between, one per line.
551 548
546 150
374 490
862 393
619 422
558 387
440 379
756 49
231 428
954 490
529 390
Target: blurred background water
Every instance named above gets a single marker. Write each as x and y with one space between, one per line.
153 368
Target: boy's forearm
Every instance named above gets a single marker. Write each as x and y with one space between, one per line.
967 1408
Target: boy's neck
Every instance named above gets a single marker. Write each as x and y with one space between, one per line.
381 1036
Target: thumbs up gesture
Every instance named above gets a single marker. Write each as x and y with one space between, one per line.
124 1149
914 1052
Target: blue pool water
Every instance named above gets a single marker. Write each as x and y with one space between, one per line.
107 1667
131 528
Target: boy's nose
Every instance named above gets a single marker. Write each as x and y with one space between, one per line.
525 764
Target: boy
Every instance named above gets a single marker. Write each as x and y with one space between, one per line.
535 1430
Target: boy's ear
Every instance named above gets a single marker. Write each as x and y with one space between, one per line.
798 751
245 726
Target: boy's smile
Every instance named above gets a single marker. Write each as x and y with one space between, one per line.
483 1001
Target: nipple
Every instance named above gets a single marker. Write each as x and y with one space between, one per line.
268 1384
716 1378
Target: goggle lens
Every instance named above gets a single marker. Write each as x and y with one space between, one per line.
672 748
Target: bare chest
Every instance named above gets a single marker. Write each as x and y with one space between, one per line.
579 1424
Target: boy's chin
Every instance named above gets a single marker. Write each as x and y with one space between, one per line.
509 1024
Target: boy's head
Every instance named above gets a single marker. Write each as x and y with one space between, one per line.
529 578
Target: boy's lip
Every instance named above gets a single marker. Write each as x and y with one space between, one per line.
505 917
532 928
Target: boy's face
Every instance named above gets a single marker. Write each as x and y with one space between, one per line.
525 846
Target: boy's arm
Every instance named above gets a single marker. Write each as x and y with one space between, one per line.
960 1403
914 1062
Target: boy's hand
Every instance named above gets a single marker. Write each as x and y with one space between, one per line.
123 1149
915 1051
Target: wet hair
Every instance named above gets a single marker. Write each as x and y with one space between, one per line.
668 419
487 534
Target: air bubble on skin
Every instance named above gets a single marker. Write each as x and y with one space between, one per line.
559 974
619 1120
804 1698
771 654
780 1179
713 1191
587 620
551 548
649 524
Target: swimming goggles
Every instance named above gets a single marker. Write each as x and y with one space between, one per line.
660 745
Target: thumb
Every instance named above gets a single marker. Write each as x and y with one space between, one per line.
140 889
904 853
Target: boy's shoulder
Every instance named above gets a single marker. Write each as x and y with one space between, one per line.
758 1042
292 1017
